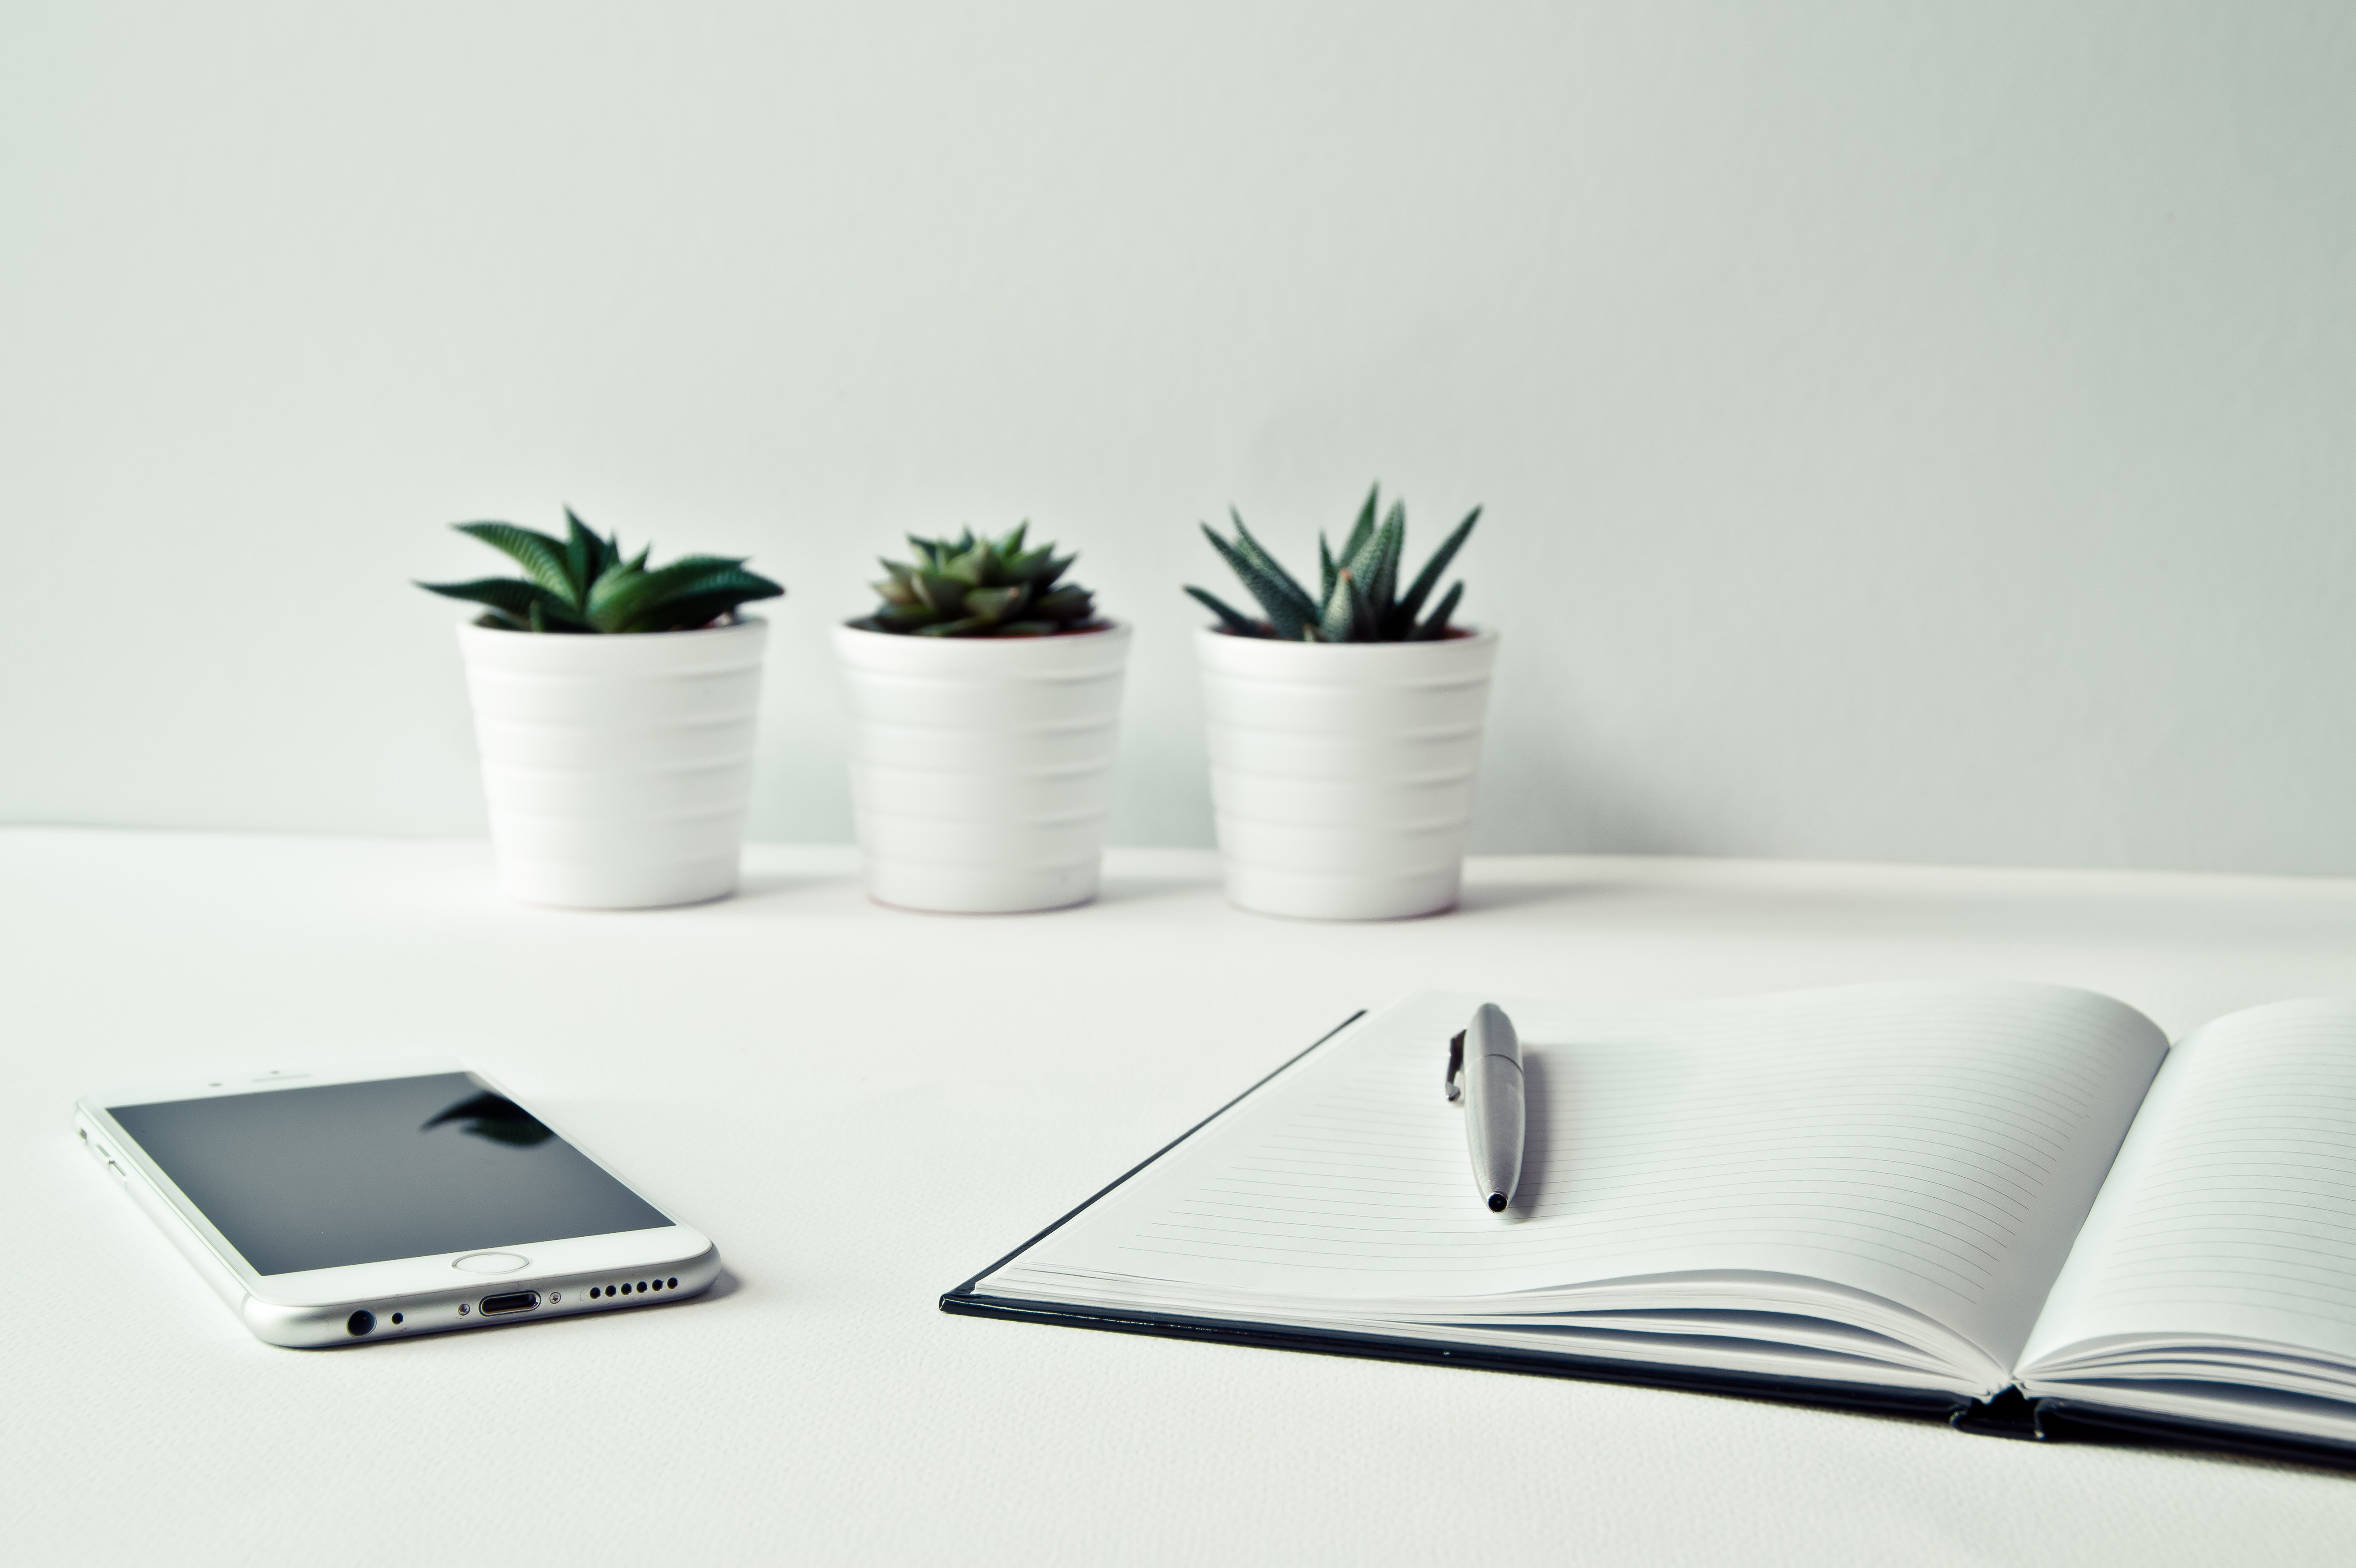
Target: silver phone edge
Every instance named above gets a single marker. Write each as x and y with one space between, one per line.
328 1327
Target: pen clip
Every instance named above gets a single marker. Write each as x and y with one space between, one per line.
1456 1066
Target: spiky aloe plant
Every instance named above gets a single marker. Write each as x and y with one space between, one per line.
968 587
583 583
1358 598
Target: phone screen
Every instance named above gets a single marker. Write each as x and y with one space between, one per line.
333 1174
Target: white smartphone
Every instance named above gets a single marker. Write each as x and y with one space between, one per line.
359 1203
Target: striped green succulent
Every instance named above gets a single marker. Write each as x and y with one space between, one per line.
968 587
583 583
1358 598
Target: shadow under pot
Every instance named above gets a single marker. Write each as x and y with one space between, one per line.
618 769
981 767
1342 774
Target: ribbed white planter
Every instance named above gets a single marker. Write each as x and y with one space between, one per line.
981 767
1342 774
617 768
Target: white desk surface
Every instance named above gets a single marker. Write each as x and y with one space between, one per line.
740 1060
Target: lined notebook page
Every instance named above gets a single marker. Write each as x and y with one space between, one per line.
2231 1211
1936 1145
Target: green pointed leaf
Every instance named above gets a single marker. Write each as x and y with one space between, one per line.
1284 611
1258 556
689 612
938 591
1363 528
609 581
1326 573
705 601
1339 623
541 558
511 594
511 597
1410 605
1385 540
584 557
623 598
1382 589
892 618
1365 571
972 626
997 604
970 565
1432 630
1235 620
1364 628
1069 603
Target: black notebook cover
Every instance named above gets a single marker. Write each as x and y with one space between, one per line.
2006 1415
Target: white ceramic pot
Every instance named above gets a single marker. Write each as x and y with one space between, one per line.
617 768
981 767
1342 774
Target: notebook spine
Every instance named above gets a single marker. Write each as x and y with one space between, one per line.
1925 1404
2009 1414
2068 1420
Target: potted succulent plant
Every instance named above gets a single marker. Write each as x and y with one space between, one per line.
1344 727
614 709
984 697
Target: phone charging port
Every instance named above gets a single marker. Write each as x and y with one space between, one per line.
513 1301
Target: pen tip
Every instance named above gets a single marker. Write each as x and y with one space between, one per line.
1496 1203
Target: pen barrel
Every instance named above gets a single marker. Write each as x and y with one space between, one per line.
1493 1124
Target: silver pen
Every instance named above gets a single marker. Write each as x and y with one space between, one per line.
1485 1078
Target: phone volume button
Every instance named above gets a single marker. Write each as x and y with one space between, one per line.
118 1171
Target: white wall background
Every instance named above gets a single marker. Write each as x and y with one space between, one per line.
1910 431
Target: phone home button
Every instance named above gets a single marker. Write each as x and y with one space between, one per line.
492 1263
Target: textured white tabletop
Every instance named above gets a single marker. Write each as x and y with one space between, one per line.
742 1061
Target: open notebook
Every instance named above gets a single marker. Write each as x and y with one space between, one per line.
1968 1199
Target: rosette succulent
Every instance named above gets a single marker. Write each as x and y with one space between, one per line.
583 583
1358 598
968 587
